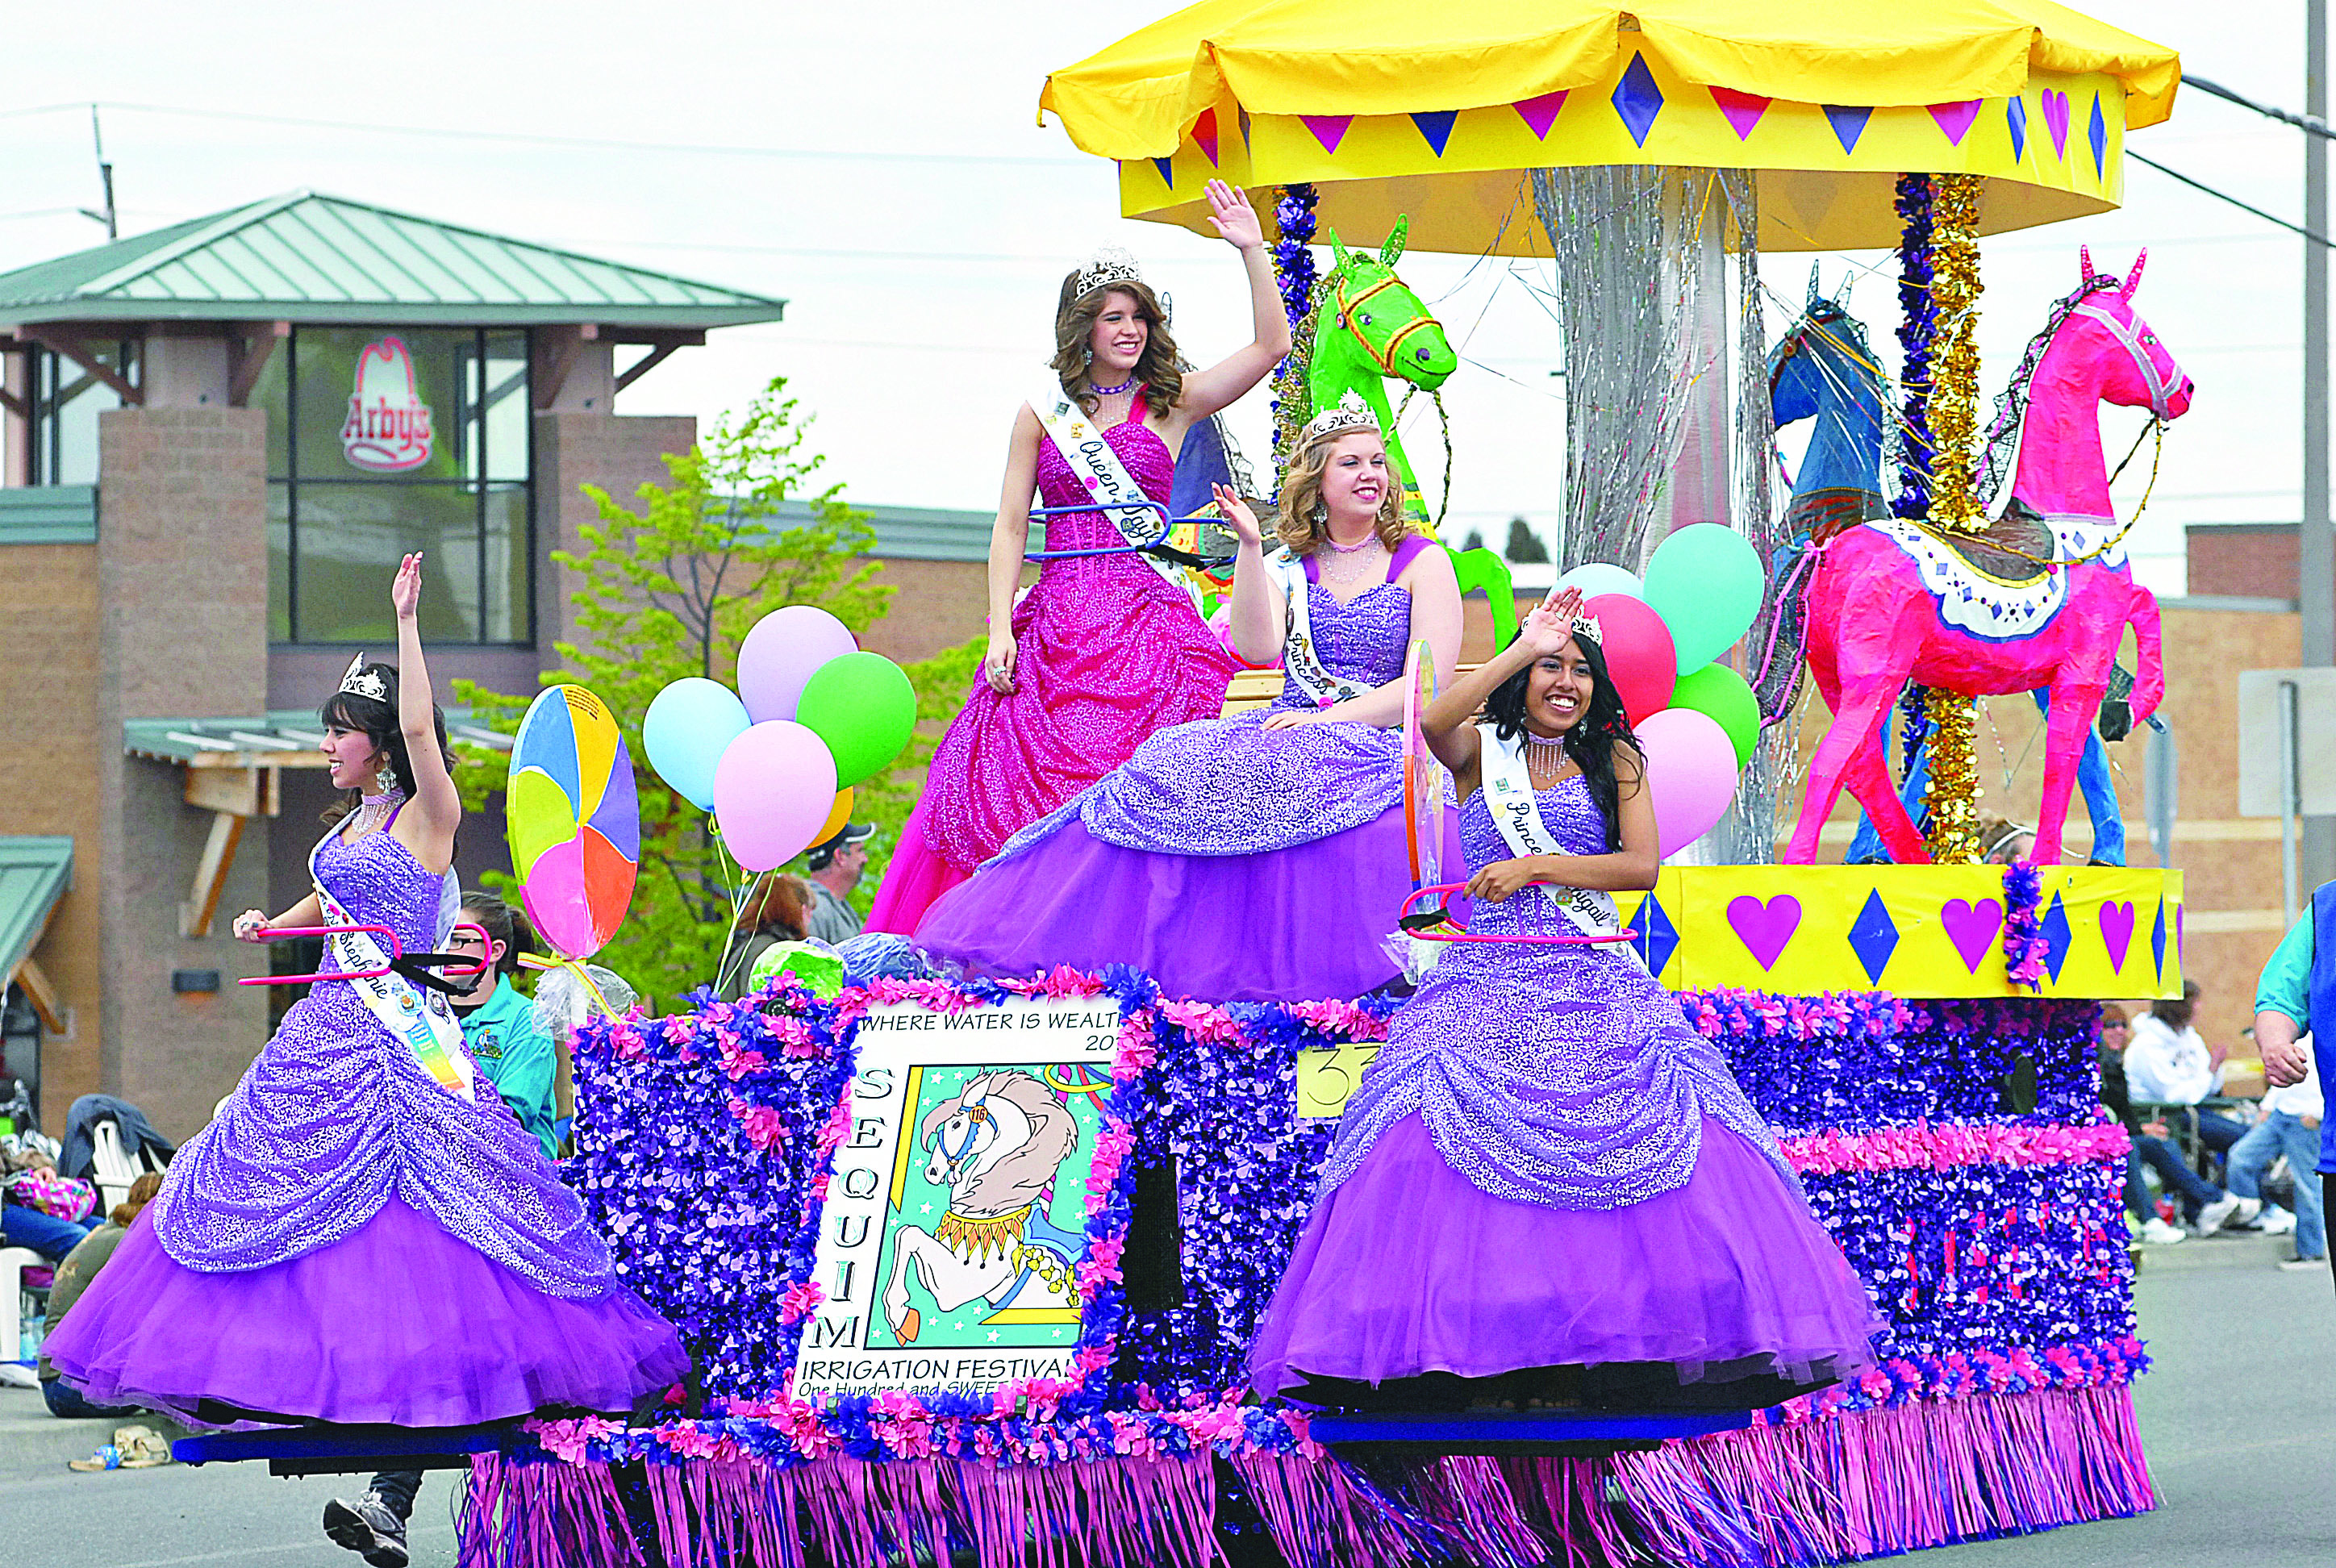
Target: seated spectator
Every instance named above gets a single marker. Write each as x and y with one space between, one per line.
42 1209
498 1024
2003 841
2290 1126
73 1275
777 910
2168 1064
2209 1207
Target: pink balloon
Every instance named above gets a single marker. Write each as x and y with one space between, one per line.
772 790
780 653
1690 774
1639 652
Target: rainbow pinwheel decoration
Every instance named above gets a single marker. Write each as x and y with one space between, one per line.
575 821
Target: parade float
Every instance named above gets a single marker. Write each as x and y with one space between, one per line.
969 1268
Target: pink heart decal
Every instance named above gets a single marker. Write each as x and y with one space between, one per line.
2116 932
2055 117
1972 927
1765 929
1955 120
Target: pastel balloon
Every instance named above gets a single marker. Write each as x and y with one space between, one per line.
1690 774
1721 692
1639 653
862 706
1706 581
836 818
774 786
689 724
1597 577
781 654
574 820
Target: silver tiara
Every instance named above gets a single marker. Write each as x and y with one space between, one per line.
1587 626
361 682
1349 415
1106 267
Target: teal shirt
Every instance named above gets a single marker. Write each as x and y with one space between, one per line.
516 1058
2286 984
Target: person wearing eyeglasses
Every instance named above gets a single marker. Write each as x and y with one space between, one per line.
499 1024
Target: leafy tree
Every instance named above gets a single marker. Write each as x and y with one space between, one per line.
1524 546
671 585
1475 540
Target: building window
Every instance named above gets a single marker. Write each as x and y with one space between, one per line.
386 440
66 401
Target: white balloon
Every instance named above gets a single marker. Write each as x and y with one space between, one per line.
1597 577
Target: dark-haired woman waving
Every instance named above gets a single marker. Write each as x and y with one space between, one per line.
1548 1188
363 1233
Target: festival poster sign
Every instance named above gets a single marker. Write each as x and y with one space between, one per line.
956 1217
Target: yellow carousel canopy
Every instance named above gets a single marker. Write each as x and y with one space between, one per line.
1395 106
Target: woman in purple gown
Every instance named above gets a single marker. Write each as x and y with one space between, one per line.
363 1233
1259 857
1548 1188
1104 649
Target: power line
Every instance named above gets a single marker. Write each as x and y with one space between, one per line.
536 138
2306 122
2221 196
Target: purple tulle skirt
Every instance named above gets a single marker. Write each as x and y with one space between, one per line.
399 1323
1408 1268
1303 923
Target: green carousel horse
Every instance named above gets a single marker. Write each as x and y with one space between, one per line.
1367 327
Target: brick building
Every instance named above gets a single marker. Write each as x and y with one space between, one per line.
215 441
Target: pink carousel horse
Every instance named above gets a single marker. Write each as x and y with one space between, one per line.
2039 601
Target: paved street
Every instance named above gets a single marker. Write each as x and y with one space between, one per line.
2239 1418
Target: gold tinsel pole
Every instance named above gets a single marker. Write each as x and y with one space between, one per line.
1952 799
1954 396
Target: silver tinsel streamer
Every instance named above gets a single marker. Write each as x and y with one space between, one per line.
1627 242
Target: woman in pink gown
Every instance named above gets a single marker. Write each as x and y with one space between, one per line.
1103 650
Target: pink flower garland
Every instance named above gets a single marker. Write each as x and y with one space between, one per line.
1925 1147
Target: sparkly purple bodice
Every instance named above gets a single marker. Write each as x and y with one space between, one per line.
1562 1076
337 1116
1140 451
1363 640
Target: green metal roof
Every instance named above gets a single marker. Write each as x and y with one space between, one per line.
913 532
33 875
281 737
319 258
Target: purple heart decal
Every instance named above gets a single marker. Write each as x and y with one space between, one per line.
1972 927
1956 119
2116 932
2056 119
1765 929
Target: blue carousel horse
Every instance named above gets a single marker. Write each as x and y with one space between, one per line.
1824 369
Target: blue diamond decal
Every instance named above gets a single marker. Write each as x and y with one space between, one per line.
1658 939
2097 133
2056 936
1638 100
1848 124
1874 937
1437 126
2157 941
1167 172
2015 114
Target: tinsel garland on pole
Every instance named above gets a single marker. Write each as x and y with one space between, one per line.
1954 372
1951 801
1293 270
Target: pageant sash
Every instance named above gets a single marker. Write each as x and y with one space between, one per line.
1516 812
422 1019
1097 467
1298 653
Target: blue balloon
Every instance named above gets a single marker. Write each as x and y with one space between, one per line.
689 726
1598 577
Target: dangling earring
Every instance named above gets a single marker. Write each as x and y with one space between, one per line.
1319 515
1087 354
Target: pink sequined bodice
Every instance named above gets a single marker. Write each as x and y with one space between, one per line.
1140 451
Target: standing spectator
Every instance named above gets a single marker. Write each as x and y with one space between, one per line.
499 1024
2290 1126
836 865
73 1275
2168 1064
778 910
2301 974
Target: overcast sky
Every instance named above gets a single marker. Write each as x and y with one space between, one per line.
880 167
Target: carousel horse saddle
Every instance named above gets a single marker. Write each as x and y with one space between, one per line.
1822 514
2004 552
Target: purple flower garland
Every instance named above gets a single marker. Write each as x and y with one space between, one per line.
2024 947
1918 329
1293 261
1992 1243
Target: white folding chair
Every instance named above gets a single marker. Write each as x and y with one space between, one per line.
14 1261
110 1167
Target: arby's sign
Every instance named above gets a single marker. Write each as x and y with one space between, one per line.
388 427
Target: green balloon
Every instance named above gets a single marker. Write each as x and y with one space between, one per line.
1706 581
1721 692
862 706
